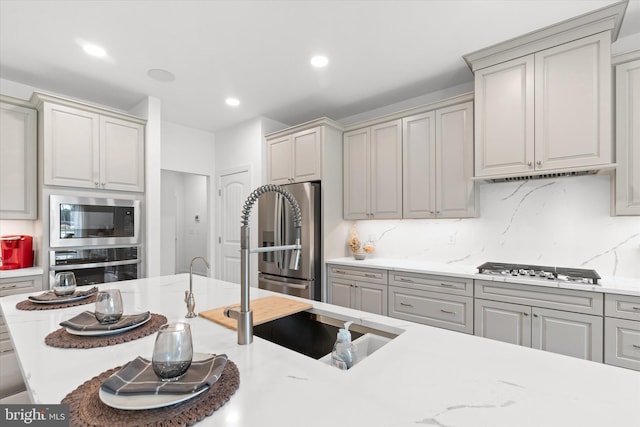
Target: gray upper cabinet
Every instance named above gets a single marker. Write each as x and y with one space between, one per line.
88 147
543 102
295 158
627 188
373 172
437 149
18 161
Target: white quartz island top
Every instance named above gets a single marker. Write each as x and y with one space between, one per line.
425 376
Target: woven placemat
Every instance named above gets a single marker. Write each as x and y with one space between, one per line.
63 339
86 408
30 305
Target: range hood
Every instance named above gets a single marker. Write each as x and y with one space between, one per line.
601 170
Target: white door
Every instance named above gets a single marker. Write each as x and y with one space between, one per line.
233 189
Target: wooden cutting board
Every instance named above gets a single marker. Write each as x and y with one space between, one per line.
264 310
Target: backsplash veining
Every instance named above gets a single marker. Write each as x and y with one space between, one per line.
562 222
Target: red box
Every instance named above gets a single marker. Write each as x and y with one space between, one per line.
17 252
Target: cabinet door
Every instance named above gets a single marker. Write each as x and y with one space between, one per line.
504 118
341 292
386 170
455 194
571 334
279 160
419 166
18 162
121 155
371 298
573 104
622 343
307 155
628 138
357 174
71 147
503 322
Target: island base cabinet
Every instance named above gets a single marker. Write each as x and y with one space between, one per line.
572 334
622 343
432 308
369 297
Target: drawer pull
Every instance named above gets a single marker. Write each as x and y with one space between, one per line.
635 346
10 286
370 275
635 308
447 311
405 304
525 314
404 279
446 285
340 271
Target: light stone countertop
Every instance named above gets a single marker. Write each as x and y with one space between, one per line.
425 376
614 285
20 272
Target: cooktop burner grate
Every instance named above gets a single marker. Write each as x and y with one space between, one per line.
573 275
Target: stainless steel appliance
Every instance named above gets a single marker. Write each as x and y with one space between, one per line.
93 221
93 265
276 228
562 274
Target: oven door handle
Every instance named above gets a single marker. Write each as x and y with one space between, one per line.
93 265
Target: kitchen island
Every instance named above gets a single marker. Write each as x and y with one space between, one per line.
425 376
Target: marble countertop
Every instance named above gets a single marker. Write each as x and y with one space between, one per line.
20 272
614 285
425 376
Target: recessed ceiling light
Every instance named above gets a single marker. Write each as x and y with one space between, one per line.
233 102
319 61
161 75
94 50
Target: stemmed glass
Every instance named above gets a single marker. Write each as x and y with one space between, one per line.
64 283
173 351
109 306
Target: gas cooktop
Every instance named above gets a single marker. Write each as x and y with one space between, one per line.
573 275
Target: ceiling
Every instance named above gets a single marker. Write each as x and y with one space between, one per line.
380 52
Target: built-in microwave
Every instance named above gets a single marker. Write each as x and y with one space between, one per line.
93 221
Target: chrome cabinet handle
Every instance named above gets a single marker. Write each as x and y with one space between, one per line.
539 163
525 314
404 279
446 285
370 275
10 286
635 308
97 184
447 311
406 305
635 345
340 271
535 315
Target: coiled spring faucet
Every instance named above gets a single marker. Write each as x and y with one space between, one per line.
188 295
245 315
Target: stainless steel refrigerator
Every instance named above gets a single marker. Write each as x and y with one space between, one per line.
275 227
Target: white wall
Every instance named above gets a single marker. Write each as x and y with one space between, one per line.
559 222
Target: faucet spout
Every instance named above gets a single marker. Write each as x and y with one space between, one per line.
245 315
188 295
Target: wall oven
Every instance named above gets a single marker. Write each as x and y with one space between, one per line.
98 239
93 221
92 265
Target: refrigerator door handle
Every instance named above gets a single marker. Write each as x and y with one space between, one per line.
285 284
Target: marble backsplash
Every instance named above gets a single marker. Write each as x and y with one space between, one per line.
559 222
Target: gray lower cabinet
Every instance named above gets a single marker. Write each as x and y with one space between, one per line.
531 317
622 331
11 382
445 302
358 288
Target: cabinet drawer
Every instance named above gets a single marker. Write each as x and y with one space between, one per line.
622 343
428 282
538 296
432 308
369 275
5 340
622 306
18 285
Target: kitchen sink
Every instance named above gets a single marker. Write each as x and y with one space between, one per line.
314 334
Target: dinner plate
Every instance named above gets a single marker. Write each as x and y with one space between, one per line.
137 402
106 332
71 298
